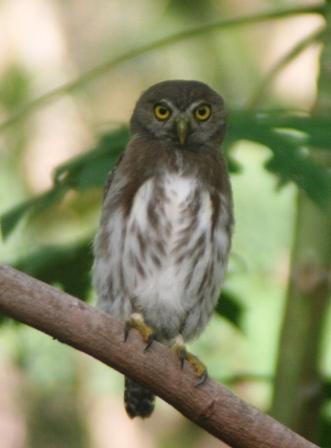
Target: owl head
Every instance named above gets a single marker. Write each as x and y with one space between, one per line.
188 114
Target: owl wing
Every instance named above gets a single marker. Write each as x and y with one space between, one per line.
111 176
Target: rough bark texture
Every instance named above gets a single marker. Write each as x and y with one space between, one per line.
75 323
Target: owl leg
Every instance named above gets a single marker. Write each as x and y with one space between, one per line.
199 368
137 322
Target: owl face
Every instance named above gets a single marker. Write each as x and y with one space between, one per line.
189 114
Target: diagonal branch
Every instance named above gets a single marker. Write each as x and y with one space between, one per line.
75 323
312 38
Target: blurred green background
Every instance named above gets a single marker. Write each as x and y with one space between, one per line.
270 339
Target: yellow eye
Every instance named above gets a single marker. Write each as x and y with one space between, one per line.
161 112
202 113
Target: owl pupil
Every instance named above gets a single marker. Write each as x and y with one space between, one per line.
161 112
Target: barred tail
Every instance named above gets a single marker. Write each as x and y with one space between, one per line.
139 402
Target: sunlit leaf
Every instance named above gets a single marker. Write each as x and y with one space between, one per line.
287 139
316 128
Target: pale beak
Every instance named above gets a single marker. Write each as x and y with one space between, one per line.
182 129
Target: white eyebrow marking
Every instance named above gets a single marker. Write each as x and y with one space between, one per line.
197 104
190 108
168 103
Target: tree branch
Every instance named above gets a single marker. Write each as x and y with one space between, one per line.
75 323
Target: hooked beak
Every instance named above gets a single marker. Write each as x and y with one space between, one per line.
182 129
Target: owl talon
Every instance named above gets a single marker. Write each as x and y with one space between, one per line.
127 328
150 340
202 379
137 322
183 355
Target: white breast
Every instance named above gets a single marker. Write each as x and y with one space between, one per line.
166 259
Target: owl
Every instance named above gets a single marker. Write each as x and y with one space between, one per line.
165 232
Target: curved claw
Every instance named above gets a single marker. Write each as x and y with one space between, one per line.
202 379
149 342
181 352
137 322
183 355
127 328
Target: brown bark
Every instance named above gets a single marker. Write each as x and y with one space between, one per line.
75 323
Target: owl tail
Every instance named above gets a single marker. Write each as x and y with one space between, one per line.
139 402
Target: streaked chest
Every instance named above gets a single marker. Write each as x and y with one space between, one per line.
167 257
169 214
171 245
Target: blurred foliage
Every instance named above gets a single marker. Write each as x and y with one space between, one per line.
301 341
288 136
86 171
230 307
66 266
294 142
14 87
188 8
55 420
196 31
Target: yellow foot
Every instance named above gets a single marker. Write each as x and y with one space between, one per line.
136 321
199 368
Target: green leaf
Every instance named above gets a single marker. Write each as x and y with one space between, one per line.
324 439
10 219
229 307
287 137
292 164
80 173
65 265
90 169
14 87
316 129
327 388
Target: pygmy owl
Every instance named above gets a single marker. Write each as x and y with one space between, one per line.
163 242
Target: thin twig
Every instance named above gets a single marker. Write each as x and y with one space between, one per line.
163 42
75 323
288 57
